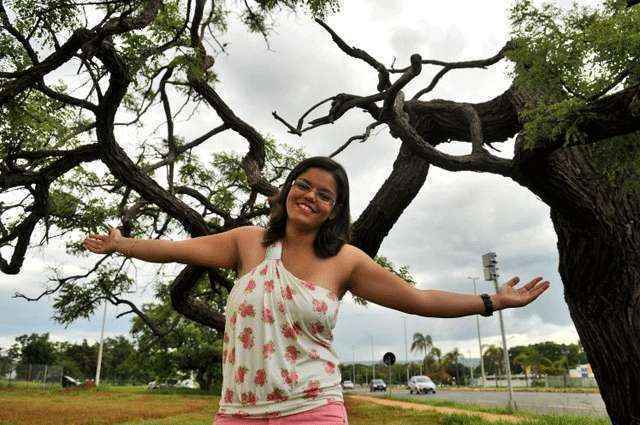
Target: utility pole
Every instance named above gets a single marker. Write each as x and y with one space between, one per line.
373 362
489 263
475 292
99 367
406 357
353 370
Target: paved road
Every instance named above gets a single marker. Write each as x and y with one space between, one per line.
541 403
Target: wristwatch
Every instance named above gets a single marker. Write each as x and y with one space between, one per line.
488 305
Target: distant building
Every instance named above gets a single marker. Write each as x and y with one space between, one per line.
581 371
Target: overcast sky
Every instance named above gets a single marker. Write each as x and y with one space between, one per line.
456 217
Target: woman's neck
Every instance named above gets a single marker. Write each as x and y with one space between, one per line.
299 239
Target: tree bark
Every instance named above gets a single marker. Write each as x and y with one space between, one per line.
598 228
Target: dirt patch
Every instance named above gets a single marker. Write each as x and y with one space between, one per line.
491 417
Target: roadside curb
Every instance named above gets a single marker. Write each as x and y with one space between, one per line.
491 417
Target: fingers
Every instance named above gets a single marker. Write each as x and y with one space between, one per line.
539 289
533 283
513 282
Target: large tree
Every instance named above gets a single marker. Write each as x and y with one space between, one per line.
573 108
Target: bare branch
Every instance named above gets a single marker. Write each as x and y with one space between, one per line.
478 161
362 137
62 281
383 74
448 66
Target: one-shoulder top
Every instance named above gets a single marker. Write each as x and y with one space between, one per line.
277 357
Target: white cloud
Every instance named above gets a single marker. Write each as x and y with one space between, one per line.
456 217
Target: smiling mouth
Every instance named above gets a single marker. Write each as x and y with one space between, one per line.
306 208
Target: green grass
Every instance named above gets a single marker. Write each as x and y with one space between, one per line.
534 420
138 406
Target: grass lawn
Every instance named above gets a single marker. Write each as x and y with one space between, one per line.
137 406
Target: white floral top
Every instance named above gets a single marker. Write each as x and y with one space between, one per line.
277 357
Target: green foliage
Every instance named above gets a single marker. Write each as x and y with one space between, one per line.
189 346
568 57
33 122
35 349
80 299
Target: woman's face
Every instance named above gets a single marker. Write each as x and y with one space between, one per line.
311 200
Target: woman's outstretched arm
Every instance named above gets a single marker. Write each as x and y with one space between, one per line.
219 250
374 283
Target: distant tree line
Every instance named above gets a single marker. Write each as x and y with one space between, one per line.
534 361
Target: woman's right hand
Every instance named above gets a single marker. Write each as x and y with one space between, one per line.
102 244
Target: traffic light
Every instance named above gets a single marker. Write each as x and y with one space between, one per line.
489 263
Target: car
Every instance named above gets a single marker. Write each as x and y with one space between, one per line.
377 385
348 385
421 385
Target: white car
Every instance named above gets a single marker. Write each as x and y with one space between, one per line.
348 385
421 385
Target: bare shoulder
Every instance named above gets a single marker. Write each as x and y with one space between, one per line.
350 256
249 236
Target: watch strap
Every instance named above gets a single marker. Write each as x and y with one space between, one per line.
488 305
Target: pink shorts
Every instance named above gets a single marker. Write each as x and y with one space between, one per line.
332 413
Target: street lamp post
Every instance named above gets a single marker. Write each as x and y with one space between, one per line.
406 357
373 362
353 370
475 292
99 365
489 263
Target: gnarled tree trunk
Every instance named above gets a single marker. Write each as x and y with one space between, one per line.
598 228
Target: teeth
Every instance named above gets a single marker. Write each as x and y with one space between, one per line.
306 208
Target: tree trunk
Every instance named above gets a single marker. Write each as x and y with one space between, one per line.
598 227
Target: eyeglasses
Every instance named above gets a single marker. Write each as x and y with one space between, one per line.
323 195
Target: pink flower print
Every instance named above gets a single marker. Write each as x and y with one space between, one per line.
232 356
261 377
246 337
332 296
297 328
309 285
248 398
313 354
246 310
264 270
317 328
228 396
287 293
277 274
291 378
320 306
251 285
289 331
273 414
224 356
225 338
233 318
268 285
281 308
276 395
267 315
239 375
313 389
267 350
330 367
291 353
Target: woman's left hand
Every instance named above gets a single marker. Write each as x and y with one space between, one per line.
509 296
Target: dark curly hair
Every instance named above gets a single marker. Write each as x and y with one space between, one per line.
335 231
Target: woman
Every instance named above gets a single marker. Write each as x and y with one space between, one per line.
277 355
